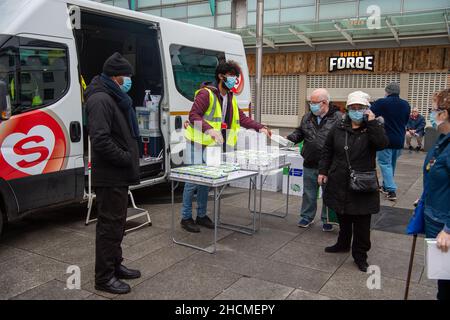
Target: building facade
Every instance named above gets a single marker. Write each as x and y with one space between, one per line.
328 43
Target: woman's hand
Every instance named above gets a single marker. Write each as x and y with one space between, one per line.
322 179
370 114
443 241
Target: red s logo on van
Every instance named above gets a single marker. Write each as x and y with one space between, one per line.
30 144
239 86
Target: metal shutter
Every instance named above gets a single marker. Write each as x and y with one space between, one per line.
354 81
280 97
422 86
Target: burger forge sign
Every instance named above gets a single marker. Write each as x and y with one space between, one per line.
351 60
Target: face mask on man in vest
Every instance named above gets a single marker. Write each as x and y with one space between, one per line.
228 81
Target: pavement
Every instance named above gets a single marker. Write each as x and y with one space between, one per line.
281 261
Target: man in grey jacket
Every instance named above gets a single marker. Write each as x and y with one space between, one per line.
313 130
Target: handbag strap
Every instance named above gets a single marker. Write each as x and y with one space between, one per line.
346 151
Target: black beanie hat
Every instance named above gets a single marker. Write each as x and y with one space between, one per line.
116 65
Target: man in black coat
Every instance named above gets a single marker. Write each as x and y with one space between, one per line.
313 130
113 131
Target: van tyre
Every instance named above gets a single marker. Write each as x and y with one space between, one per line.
2 221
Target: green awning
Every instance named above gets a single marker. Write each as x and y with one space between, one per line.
427 24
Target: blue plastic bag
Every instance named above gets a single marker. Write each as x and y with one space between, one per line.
416 224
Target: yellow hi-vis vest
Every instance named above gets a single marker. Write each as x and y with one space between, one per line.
213 116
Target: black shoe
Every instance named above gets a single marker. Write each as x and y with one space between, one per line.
190 226
205 222
392 196
410 148
124 273
337 248
362 265
114 286
418 148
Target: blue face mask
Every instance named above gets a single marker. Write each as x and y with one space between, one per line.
315 108
356 115
230 82
435 122
126 86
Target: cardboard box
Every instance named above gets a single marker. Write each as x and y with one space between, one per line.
272 183
296 176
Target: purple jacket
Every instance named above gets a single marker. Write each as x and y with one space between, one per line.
201 104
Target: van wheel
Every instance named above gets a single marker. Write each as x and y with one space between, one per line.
1 222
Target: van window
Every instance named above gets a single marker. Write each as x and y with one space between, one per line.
192 67
37 75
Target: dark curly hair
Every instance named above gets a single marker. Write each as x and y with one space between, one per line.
225 67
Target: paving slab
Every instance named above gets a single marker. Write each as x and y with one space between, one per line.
265 269
316 236
254 289
351 284
37 240
148 246
53 290
298 294
23 273
7 253
309 256
80 251
263 243
395 241
392 263
157 261
185 280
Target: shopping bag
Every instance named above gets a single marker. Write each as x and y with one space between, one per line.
331 216
416 224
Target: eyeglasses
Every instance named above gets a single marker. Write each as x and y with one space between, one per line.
313 102
357 108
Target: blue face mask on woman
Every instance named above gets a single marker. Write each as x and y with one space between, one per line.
230 82
356 115
126 86
435 122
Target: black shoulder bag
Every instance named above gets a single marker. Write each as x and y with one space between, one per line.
361 181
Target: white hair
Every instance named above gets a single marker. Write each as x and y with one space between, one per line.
322 93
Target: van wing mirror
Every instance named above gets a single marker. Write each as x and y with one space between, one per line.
5 102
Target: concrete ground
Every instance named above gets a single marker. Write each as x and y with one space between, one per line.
281 261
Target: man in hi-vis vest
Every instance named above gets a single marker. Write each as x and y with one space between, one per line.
215 119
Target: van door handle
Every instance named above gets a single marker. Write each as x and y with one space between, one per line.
75 131
178 123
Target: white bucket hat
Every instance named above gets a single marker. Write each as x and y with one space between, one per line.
358 97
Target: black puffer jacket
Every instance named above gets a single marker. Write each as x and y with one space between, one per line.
115 153
363 144
314 135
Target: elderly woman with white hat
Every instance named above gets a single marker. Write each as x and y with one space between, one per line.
347 170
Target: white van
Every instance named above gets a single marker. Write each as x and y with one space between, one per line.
47 48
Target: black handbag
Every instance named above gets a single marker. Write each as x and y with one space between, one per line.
361 181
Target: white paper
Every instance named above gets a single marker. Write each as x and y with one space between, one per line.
437 263
214 156
281 140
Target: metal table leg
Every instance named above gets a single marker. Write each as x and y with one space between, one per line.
215 223
236 227
260 199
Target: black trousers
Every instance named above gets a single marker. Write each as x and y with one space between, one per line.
112 206
443 290
358 227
